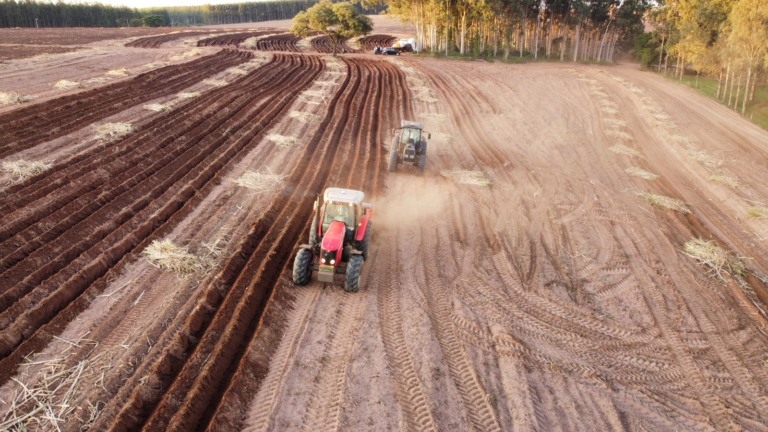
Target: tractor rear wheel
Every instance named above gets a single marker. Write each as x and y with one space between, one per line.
366 240
421 159
354 266
302 267
392 165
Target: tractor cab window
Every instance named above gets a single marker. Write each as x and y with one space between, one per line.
413 135
342 212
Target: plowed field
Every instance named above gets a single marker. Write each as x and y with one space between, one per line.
540 275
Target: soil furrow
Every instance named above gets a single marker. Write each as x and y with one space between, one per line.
152 136
110 251
113 204
168 364
66 114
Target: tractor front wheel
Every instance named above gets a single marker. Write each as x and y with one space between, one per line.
366 240
421 159
354 266
392 165
302 267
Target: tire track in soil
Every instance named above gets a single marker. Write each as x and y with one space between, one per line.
489 156
411 397
324 410
22 127
213 371
164 208
713 407
269 391
481 414
376 108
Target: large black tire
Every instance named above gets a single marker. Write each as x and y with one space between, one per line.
354 266
421 161
302 267
392 165
366 240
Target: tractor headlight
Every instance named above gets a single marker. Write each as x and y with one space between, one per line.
333 261
322 260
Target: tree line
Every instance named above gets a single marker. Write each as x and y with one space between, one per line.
30 13
724 39
576 30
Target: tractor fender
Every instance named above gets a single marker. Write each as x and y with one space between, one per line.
361 228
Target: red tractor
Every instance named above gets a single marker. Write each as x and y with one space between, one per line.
338 239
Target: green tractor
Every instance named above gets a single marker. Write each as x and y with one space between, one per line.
408 146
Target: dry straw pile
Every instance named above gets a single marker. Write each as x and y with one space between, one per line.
260 182
714 257
67 85
167 256
12 98
621 149
48 403
643 174
726 180
473 178
188 95
282 140
156 107
757 212
215 82
21 169
112 131
117 73
665 202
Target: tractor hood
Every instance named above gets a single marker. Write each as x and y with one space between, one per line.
333 239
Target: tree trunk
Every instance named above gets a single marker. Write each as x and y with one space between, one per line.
746 91
661 51
576 43
536 37
719 83
463 32
733 81
738 91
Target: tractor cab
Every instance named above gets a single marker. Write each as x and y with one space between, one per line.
341 205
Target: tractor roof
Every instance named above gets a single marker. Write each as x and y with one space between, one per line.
411 124
343 195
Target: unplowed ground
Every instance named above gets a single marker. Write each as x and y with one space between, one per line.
521 283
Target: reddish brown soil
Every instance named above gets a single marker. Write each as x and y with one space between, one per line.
8 52
552 298
157 41
72 36
234 39
281 42
323 44
368 43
